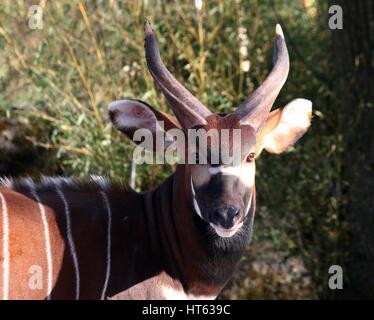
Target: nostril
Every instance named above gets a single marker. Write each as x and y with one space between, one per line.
233 211
224 217
216 217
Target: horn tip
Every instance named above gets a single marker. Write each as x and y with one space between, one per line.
148 28
279 31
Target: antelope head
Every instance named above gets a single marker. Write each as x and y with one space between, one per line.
222 193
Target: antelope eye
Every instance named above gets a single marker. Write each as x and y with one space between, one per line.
251 157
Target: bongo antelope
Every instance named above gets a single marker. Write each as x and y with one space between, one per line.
67 238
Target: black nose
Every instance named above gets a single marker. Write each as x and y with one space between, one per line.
224 217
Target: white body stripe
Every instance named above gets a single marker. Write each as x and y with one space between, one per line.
47 241
5 242
71 241
109 239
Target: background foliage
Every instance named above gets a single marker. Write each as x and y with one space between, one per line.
55 84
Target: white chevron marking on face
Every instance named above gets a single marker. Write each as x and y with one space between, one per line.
244 173
249 204
194 201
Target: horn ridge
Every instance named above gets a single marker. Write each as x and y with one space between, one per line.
179 98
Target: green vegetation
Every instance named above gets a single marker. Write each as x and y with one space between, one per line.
58 81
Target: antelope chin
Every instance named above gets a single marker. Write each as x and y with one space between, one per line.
226 233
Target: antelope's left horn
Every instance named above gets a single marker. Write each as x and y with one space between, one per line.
255 109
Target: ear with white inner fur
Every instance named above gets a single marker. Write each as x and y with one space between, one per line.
128 116
285 126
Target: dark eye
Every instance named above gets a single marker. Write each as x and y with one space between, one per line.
251 157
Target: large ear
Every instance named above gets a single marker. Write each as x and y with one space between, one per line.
284 126
130 115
